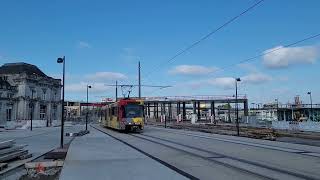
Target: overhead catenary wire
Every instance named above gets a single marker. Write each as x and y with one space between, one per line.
265 53
135 85
204 37
131 86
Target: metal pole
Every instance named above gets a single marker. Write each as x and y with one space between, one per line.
311 106
199 115
277 109
62 106
237 115
183 111
87 110
31 109
139 68
116 90
164 115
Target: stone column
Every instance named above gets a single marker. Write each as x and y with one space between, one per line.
183 111
213 113
199 115
170 111
246 109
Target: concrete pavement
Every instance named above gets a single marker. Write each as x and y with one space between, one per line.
98 156
210 156
39 141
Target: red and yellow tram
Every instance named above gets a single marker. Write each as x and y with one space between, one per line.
125 114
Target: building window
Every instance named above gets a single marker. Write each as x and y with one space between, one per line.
44 94
9 95
114 111
9 114
43 110
54 115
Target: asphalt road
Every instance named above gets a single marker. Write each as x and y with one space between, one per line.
210 156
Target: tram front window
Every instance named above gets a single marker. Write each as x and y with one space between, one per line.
133 110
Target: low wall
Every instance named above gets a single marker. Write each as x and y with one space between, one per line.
26 124
297 126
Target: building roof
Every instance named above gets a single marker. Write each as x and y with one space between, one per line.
21 67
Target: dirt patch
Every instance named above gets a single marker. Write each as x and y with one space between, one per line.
50 174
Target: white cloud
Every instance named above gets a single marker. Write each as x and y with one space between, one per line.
106 76
248 67
256 78
192 70
82 87
222 82
229 82
280 90
287 56
83 44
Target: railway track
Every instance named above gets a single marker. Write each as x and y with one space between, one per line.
185 174
259 165
244 166
271 147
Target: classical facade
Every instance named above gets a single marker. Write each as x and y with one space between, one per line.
26 92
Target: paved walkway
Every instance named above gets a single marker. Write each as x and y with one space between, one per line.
98 156
39 141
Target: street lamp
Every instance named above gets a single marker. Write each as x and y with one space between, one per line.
311 117
277 108
31 109
62 60
87 107
237 110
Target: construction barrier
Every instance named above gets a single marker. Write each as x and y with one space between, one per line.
297 126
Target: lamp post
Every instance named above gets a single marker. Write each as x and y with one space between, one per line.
237 110
277 108
87 107
139 79
310 95
31 107
62 60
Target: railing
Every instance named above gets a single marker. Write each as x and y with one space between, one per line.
198 97
290 106
287 106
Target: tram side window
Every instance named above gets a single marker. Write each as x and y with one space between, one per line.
114 111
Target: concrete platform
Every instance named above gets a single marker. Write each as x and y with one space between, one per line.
98 156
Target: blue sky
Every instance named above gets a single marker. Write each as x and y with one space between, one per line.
103 41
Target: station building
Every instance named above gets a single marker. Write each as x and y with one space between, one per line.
25 92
